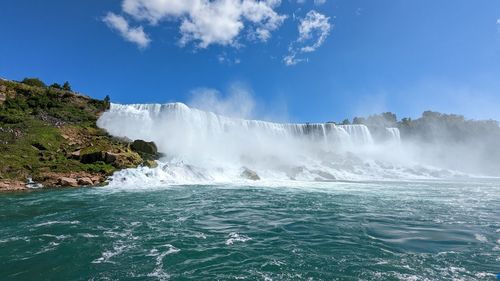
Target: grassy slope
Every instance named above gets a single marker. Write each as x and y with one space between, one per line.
41 127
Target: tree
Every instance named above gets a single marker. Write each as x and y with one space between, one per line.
346 122
35 82
358 120
107 102
390 117
66 86
56 86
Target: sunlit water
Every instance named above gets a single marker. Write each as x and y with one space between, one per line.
321 231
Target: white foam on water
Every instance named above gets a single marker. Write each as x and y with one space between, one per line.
480 238
159 255
55 222
107 255
236 237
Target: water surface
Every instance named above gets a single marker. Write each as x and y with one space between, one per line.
324 231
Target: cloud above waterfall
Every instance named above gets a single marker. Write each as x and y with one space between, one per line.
132 34
201 22
313 31
237 102
316 2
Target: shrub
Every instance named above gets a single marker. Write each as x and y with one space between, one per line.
34 82
56 86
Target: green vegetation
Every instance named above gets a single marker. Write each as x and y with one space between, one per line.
49 130
66 86
35 82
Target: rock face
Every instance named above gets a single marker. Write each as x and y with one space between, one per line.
249 174
145 148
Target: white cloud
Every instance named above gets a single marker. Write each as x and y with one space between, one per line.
133 34
207 22
316 2
313 31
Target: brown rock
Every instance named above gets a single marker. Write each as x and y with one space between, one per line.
65 181
85 181
96 180
7 185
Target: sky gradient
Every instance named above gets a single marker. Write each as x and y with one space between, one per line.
366 56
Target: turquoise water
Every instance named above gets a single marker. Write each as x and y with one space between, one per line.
327 231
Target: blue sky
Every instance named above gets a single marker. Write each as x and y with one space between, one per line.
363 56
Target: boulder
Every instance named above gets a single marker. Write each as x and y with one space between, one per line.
92 157
85 181
144 147
110 158
65 181
150 163
249 174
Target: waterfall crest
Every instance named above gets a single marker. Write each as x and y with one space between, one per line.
151 120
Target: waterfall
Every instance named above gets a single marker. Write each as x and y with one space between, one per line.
203 147
394 134
157 122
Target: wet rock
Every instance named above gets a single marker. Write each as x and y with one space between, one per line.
85 181
324 175
249 174
65 181
145 148
150 163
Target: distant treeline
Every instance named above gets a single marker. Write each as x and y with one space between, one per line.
434 126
